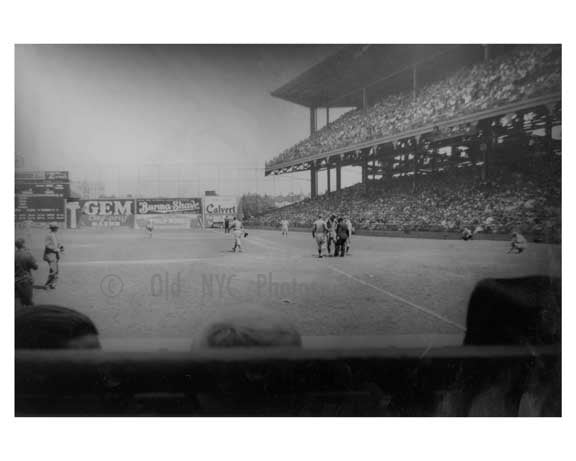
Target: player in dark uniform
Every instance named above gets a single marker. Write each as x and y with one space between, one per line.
342 235
25 264
331 233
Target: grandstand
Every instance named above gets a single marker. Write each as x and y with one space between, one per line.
445 136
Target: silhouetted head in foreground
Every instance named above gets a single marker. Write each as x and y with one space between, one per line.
54 327
525 310
249 331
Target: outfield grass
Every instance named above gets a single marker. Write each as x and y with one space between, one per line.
395 288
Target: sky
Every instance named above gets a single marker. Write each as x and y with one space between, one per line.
160 119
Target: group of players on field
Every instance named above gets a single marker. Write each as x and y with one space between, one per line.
333 231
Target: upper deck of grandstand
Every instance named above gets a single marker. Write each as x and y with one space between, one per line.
338 80
398 88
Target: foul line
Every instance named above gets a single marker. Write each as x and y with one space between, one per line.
392 295
399 298
131 261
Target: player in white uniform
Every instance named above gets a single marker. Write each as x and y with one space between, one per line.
518 243
350 229
284 224
149 228
238 233
52 251
319 231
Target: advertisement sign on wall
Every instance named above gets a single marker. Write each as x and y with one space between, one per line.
101 213
217 208
177 213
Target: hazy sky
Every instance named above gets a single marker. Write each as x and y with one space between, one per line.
142 116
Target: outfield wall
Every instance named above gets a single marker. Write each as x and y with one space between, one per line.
100 213
162 213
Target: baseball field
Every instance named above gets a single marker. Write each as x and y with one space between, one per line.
160 292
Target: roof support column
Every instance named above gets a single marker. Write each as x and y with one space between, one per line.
417 149
486 52
414 82
327 116
548 130
364 172
328 177
313 180
364 99
313 124
338 174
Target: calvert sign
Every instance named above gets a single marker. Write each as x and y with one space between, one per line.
100 213
217 208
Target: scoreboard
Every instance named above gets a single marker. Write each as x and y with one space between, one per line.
43 183
40 208
40 195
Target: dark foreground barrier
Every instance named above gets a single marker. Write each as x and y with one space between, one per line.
448 381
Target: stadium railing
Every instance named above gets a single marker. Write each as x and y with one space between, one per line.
273 382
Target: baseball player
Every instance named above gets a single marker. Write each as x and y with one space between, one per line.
518 243
350 230
319 231
342 234
149 228
238 233
331 233
52 251
25 263
284 225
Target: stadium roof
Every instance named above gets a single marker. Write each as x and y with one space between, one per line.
337 81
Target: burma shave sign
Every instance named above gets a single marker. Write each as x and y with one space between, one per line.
100 213
175 213
168 206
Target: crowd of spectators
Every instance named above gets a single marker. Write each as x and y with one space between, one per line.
526 72
528 202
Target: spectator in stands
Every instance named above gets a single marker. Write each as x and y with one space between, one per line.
446 201
515 311
54 327
526 72
252 391
250 330
25 264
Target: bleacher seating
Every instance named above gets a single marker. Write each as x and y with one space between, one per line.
442 202
525 73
